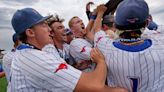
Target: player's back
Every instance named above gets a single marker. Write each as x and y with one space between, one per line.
138 71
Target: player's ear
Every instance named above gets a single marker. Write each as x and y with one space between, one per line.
30 33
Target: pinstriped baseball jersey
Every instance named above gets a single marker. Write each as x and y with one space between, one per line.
7 61
51 49
137 71
33 70
65 54
80 50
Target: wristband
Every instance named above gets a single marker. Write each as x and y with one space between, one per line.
92 17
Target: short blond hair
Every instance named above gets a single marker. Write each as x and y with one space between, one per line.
70 21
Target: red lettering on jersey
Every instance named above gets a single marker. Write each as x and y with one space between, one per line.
61 66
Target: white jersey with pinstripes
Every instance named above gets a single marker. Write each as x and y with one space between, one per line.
7 60
76 47
33 70
137 71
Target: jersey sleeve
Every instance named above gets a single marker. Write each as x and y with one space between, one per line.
7 60
42 69
102 41
80 49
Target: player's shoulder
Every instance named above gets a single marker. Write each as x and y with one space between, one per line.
30 51
34 54
80 41
65 45
8 55
158 41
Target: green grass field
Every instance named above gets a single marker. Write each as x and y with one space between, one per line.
3 84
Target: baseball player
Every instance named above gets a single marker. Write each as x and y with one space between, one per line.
133 62
37 70
7 58
83 38
58 31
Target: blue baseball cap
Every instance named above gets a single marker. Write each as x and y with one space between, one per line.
131 14
15 37
26 18
152 26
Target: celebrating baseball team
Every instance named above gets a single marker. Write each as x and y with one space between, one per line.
120 50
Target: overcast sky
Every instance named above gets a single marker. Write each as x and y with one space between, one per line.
65 8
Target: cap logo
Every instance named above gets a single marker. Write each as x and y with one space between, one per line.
132 20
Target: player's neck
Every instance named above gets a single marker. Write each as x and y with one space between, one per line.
58 45
132 42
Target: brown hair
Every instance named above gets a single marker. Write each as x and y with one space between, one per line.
54 19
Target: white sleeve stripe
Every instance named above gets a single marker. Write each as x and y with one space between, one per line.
46 69
43 75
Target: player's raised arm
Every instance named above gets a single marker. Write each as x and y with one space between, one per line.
97 24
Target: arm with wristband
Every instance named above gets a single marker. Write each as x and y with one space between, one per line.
88 31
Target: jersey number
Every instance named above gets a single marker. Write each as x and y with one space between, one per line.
135 83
